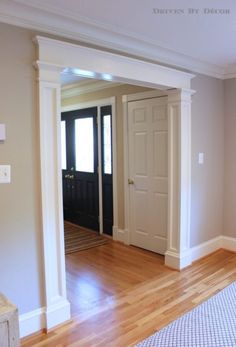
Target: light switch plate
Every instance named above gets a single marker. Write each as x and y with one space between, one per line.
2 132
201 158
5 174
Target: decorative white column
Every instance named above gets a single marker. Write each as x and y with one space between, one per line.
178 253
57 308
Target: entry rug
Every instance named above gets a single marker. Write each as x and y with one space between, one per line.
211 324
79 239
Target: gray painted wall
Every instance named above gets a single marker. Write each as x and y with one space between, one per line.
20 225
230 158
207 179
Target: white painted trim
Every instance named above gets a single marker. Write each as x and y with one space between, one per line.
121 235
57 314
97 63
51 196
144 95
126 168
100 190
178 261
61 23
206 248
228 243
114 164
197 252
179 178
32 322
43 318
85 87
94 103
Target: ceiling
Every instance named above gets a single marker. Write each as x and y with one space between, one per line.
68 79
159 30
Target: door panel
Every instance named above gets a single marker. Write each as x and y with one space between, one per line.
148 168
80 178
107 177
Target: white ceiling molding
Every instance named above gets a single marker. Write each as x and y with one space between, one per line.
65 24
230 72
81 61
84 87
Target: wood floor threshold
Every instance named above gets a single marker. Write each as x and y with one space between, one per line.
121 295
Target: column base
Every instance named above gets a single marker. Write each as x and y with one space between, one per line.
178 261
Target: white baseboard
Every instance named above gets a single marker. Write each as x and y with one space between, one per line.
57 314
175 261
121 235
32 322
44 318
206 248
228 243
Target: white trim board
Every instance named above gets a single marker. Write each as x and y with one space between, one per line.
210 246
32 322
84 87
94 103
121 235
43 318
206 248
228 243
57 22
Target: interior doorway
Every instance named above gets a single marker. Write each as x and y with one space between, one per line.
55 57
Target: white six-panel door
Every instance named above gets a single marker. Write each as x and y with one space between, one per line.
148 170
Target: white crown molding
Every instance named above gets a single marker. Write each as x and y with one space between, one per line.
85 87
230 72
228 243
66 24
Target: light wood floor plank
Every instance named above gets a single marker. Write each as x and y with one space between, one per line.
121 295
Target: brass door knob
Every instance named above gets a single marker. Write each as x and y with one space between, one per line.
130 181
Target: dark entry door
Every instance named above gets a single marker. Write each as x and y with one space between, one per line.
80 167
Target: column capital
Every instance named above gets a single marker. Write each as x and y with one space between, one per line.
179 95
48 72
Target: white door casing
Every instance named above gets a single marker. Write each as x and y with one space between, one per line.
54 57
148 173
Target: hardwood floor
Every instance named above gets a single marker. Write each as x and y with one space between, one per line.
122 294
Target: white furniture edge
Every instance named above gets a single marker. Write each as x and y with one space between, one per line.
57 22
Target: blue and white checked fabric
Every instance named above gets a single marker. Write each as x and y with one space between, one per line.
211 324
